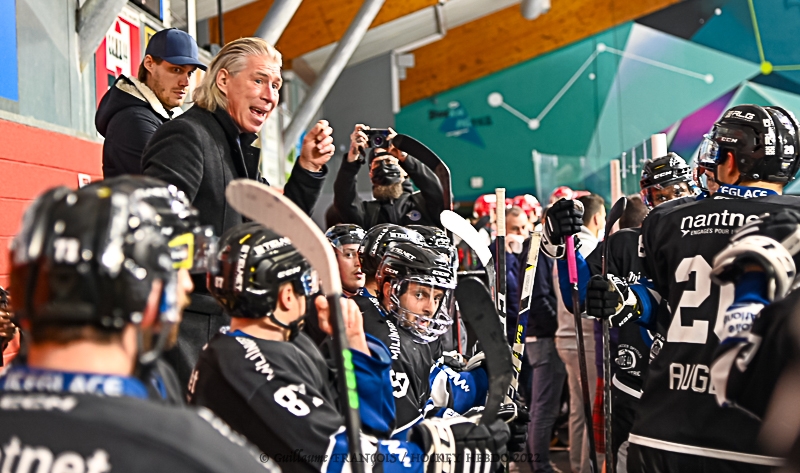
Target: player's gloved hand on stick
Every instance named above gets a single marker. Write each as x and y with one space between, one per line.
770 243
450 445
564 218
516 415
608 298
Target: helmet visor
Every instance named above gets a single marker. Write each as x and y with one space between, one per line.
309 282
709 153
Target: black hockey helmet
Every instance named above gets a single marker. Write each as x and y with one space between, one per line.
345 234
252 263
90 256
763 141
407 264
437 239
378 239
666 173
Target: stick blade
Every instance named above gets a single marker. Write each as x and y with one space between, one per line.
615 213
479 312
456 224
263 204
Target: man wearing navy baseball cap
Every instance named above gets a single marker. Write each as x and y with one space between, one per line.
134 107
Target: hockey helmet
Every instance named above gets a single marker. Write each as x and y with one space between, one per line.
345 234
763 141
90 256
530 205
252 263
421 281
561 192
666 178
378 239
437 239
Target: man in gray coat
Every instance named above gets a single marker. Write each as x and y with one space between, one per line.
214 143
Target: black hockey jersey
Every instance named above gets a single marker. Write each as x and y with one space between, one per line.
631 353
57 421
281 396
678 411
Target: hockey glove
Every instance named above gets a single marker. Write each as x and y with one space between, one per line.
516 415
770 243
564 218
608 298
458 444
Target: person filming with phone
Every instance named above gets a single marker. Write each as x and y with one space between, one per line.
392 173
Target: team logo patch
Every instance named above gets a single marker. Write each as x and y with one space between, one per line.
414 215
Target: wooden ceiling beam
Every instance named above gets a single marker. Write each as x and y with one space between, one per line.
316 23
503 39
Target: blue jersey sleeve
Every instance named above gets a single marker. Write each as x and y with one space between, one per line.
563 279
374 386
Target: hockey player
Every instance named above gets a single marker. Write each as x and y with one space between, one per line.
663 179
93 271
679 426
271 383
346 239
755 366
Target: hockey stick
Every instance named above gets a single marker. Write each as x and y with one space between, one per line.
500 253
458 226
480 313
613 216
415 148
576 312
268 207
532 258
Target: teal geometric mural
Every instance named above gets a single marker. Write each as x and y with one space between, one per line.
559 119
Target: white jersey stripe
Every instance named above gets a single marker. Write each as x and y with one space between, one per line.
706 452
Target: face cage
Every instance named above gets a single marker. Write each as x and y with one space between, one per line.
424 329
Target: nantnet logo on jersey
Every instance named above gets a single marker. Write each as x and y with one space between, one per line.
716 222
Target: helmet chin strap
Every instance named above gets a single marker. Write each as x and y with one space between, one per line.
293 327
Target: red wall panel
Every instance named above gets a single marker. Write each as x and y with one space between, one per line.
33 160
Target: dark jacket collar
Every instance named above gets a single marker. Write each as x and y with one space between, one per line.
231 129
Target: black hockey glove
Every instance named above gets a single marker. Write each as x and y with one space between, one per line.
564 218
609 298
453 444
516 415
770 243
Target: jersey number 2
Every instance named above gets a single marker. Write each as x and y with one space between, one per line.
697 332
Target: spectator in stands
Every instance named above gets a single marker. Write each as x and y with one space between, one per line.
395 200
212 144
134 107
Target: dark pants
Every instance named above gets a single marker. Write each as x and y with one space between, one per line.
201 321
548 375
624 408
651 460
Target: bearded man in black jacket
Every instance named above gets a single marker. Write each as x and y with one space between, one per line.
214 143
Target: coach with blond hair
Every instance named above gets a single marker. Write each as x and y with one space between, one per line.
212 144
